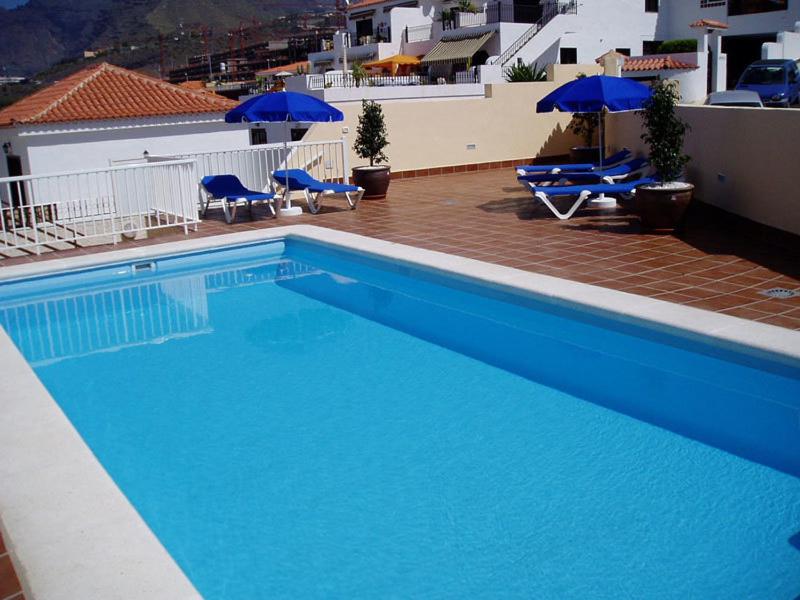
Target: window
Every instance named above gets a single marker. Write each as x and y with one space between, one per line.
651 6
764 75
568 56
749 7
258 136
364 28
298 133
623 51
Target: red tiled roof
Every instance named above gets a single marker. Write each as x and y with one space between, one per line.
709 24
364 3
655 63
290 68
106 91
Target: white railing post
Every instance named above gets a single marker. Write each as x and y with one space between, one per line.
345 159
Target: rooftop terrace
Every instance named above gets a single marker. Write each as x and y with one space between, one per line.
715 263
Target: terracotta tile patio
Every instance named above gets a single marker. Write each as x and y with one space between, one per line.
712 264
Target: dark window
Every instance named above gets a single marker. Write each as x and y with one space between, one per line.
764 75
624 51
363 28
568 56
651 6
650 47
749 7
258 136
298 133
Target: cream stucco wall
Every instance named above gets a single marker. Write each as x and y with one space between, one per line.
502 125
744 160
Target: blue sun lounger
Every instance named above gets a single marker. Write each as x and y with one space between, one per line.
609 175
609 161
584 192
230 190
314 189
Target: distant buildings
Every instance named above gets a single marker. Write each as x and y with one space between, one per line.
236 68
454 37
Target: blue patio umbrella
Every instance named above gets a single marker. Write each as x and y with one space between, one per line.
286 107
595 94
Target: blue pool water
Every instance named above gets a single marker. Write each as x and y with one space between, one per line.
293 421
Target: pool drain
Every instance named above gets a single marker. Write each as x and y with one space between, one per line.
780 293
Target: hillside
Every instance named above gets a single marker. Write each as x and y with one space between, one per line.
42 33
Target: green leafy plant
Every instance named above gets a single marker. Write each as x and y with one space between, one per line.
359 73
371 134
448 18
584 126
467 6
674 46
522 72
664 131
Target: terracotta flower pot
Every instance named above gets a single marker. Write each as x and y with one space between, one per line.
374 180
662 206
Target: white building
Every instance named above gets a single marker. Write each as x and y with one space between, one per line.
501 33
106 114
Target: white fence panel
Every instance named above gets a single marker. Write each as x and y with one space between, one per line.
326 161
63 209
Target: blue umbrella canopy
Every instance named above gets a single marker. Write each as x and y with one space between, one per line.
594 94
283 107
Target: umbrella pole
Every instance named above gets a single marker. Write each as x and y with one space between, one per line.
602 200
600 135
288 210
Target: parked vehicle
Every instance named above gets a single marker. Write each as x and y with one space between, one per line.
777 81
735 98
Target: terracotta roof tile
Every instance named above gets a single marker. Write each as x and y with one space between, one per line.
291 68
655 63
108 92
709 24
364 3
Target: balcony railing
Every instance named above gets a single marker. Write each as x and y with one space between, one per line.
551 11
346 80
419 33
468 19
507 12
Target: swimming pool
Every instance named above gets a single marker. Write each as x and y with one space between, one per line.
296 420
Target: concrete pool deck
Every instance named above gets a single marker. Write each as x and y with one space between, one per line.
716 263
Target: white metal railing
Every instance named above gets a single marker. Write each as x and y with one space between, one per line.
419 33
60 210
326 160
468 19
468 76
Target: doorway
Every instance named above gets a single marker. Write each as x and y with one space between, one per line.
17 190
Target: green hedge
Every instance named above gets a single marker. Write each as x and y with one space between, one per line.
676 46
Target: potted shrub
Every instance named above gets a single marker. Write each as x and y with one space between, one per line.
370 143
661 205
584 125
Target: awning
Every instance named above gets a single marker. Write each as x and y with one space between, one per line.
391 62
460 50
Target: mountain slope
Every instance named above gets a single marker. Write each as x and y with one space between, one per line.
43 32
